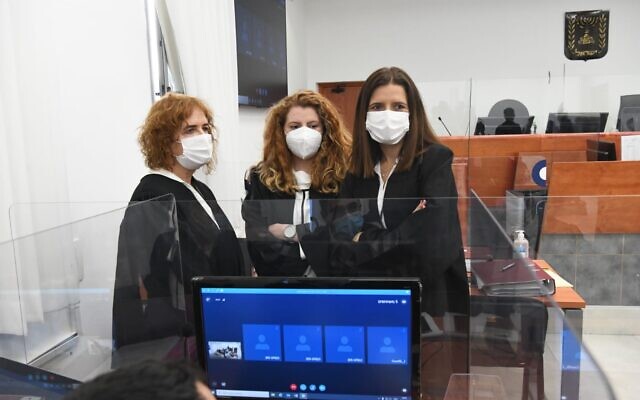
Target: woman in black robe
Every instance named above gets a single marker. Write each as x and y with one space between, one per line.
401 217
290 193
173 229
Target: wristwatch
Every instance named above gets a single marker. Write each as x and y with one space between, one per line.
289 232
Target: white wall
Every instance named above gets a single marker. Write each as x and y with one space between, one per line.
83 91
507 47
296 45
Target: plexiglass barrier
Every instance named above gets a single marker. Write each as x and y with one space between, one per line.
564 100
112 289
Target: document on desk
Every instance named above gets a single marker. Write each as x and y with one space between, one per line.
512 278
630 146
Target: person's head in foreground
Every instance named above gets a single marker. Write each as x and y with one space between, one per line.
146 380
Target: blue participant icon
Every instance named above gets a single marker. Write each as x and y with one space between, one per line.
387 345
344 344
261 342
303 343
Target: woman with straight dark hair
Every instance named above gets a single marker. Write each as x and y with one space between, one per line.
401 181
410 224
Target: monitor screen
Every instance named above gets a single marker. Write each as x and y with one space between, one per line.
576 122
308 343
261 41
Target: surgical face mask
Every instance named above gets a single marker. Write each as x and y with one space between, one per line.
196 151
387 127
304 142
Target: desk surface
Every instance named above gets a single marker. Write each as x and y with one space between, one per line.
564 297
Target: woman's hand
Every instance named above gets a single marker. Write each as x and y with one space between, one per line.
277 230
421 206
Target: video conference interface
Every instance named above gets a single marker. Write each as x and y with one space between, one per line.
308 343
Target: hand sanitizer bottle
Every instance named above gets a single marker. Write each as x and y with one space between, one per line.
520 246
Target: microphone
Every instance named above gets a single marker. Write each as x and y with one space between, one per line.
445 127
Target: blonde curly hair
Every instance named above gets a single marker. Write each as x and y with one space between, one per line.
330 164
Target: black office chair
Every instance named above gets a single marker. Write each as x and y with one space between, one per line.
628 101
510 332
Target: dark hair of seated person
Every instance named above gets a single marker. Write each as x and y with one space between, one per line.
146 380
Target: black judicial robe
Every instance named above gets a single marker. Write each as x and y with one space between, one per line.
425 244
274 257
163 243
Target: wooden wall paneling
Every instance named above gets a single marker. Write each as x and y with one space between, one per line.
491 177
458 144
585 198
344 96
503 145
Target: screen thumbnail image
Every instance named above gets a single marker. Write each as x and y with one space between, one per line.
344 344
303 343
387 345
225 350
261 342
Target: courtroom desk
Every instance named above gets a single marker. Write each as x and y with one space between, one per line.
492 159
572 305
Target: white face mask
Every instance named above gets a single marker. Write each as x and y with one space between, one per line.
387 127
304 142
196 151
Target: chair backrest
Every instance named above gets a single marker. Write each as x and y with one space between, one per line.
629 119
631 100
519 109
522 317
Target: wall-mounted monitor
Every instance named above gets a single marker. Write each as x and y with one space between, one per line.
576 122
261 41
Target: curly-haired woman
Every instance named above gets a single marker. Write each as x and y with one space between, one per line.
305 158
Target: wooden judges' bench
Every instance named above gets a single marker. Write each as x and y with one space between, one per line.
491 160
488 165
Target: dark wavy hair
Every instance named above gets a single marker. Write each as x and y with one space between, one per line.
147 380
366 151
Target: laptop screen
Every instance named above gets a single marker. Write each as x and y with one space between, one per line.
308 342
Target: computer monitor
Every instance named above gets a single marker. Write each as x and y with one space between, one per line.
576 122
309 338
601 151
488 125
631 100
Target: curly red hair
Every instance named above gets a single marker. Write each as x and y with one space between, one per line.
330 164
164 119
